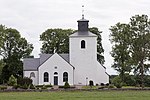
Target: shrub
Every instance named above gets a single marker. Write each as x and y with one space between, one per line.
61 86
12 81
3 87
39 86
44 87
91 83
102 87
25 86
48 85
16 86
32 86
66 85
24 81
102 84
117 82
111 86
107 84
130 80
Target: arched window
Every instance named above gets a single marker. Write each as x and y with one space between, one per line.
46 77
65 77
55 73
32 74
82 44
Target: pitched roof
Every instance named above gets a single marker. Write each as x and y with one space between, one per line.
32 64
44 57
83 34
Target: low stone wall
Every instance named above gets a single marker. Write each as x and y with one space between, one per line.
53 90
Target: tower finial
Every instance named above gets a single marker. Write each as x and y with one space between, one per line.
82 11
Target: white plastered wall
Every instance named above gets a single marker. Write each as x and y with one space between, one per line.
85 61
50 67
34 79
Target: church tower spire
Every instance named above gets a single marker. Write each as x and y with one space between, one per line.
83 23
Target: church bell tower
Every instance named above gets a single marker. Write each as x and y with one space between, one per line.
82 51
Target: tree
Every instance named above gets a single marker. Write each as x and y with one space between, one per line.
2 64
100 50
132 45
57 40
13 48
120 51
140 45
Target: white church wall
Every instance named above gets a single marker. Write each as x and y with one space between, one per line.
34 79
76 53
102 76
83 59
55 64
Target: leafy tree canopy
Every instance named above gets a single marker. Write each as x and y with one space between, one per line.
12 49
131 45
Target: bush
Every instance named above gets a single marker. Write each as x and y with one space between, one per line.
3 87
107 84
44 87
61 86
66 85
111 86
24 81
39 86
25 86
12 81
117 82
16 86
32 86
91 83
102 84
130 80
102 87
48 85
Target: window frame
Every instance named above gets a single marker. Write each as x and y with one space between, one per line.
46 77
65 77
83 44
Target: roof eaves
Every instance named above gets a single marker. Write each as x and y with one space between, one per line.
44 61
66 61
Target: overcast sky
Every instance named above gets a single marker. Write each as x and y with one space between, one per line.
32 17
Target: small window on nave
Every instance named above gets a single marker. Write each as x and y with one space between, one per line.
32 74
65 77
46 77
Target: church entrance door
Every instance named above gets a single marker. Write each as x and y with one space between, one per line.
55 80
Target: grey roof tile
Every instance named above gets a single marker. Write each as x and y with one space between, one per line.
34 63
44 57
65 57
31 63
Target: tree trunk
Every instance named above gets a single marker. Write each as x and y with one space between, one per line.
142 74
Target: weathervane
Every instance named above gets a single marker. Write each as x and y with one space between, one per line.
82 11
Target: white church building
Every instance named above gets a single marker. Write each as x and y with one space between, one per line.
77 68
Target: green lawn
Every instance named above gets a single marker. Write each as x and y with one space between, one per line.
77 95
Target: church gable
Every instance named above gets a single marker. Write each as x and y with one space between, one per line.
57 59
55 67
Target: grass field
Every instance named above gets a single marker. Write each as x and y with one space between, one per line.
77 95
